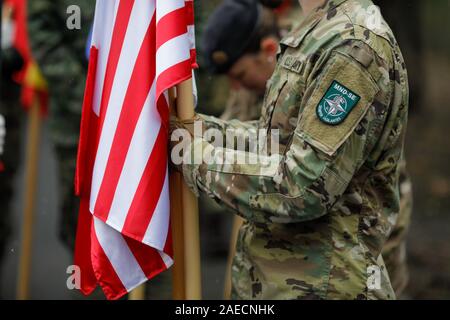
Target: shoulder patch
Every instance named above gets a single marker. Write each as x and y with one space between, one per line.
340 98
336 104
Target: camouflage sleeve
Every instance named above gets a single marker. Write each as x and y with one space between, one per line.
342 117
216 129
210 122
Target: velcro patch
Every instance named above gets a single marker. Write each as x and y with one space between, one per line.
327 120
293 63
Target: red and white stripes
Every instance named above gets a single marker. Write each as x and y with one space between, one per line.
142 48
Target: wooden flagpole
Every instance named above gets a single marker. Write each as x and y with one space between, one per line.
31 173
185 110
176 212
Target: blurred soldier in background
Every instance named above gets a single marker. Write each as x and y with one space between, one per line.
255 273
58 33
245 102
12 112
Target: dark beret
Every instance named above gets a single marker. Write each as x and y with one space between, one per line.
228 32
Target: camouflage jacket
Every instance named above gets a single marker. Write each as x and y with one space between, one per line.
318 215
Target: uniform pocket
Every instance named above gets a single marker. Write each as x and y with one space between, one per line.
271 99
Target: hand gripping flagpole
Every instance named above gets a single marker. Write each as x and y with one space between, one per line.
185 110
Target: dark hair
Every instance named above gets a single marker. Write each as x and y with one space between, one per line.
267 26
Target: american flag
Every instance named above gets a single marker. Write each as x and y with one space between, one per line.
140 49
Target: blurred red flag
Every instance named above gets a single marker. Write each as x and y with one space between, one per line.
34 86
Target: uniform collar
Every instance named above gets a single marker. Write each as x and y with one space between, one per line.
294 38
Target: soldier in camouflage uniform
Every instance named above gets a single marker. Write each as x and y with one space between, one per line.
60 54
244 104
319 213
